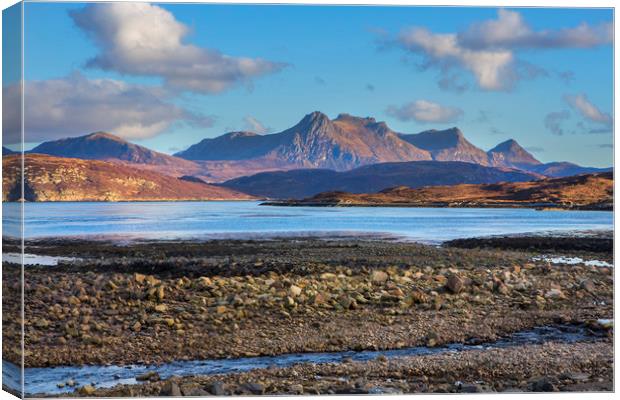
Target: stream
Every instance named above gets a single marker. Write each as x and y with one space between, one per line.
44 381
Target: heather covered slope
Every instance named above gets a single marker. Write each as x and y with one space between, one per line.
593 191
49 178
371 178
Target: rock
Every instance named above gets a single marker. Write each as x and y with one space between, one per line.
296 389
554 294
136 327
431 339
379 277
544 385
381 358
455 284
193 390
161 308
254 388
470 388
60 385
328 276
588 286
139 278
151 376
221 309
171 388
217 389
294 291
160 293
86 390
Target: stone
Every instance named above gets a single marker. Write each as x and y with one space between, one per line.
455 284
161 308
588 286
431 339
379 277
86 390
171 388
139 278
296 389
544 385
160 293
294 291
554 294
217 389
328 276
221 309
254 388
151 376
136 327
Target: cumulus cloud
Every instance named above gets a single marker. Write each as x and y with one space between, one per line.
511 31
146 40
491 68
76 105
554 120
254 125
425 111
488 50
589 111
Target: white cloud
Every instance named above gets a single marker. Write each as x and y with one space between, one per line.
493 69
587 110
76 105
146 40
488 50
510 30
425 111
254 125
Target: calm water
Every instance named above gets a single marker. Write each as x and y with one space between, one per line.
168 220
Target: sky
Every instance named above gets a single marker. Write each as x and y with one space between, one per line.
169 75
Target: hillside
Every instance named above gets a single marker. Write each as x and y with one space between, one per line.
49 178
107 147
370 178
594 192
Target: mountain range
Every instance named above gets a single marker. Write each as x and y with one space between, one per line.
319 153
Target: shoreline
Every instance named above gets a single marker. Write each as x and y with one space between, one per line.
536 206
207 300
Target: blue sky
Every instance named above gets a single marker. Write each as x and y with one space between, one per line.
551 88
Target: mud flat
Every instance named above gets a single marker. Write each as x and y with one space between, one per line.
160 302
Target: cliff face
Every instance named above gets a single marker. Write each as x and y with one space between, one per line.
48 178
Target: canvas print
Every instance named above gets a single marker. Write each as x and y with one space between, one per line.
233 199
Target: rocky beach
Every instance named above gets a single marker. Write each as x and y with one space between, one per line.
148 303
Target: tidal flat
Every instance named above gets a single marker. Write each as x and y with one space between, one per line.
150 303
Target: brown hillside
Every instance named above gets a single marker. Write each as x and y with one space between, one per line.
49 178
594 191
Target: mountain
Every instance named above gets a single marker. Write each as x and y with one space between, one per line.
563 169
107 147
6 151
447 145
50 178
315 142
511 154
593 192
300 183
